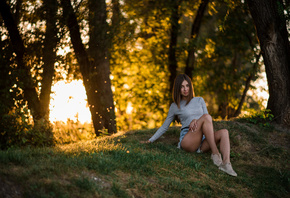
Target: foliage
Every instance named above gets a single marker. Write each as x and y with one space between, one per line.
139 66
41 134
14 117
262 118
17 131
14 129
120 166
72 131
224 64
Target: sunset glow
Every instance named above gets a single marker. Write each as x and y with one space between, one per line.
68 101
261 91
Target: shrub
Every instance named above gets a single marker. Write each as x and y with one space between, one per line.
14 128
262 118
17 130
41 134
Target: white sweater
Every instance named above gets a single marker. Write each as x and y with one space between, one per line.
193 110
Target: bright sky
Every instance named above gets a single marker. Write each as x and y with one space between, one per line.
68 101
261 89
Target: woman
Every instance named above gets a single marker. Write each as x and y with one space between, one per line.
197 133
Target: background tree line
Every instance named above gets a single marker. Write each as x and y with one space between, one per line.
129 52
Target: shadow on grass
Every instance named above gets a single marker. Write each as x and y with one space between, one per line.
265 181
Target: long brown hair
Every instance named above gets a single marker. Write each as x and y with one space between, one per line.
176 94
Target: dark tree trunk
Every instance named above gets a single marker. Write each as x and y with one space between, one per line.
17 11
103 109
116 17
224 109
49 55
172 62
6 82
95 69
193 37
28 86
273 36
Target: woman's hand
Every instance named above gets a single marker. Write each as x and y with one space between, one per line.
145 142
193 125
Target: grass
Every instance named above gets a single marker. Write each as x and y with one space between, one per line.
120 166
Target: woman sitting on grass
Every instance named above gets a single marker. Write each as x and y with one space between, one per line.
197 133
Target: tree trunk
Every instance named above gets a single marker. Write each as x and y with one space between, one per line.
28 85
17 11
172 62
49 55
116 17
6 100
193 37
273 36
95 69
103 110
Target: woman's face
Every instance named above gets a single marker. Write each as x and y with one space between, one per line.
184 89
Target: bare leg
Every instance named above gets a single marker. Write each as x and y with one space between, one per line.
221 137
192 140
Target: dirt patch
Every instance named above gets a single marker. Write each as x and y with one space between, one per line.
9 189
280 139
101 182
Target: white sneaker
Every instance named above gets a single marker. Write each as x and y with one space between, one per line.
228 169
217 159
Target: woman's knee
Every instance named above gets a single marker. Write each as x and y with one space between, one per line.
224 132
221 134
207 117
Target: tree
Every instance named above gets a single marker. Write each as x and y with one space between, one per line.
28 73
94 63
28 85
271 29
39 106
49 54
222 64
193 37
172 62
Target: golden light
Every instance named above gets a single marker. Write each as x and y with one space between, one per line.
129 108
69 101
261 91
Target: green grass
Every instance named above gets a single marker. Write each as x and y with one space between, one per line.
120 166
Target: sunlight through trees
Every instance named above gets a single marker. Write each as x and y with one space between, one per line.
121 57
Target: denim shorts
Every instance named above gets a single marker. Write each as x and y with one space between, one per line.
182 134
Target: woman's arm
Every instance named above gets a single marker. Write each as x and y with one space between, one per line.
203 105
193 123
166 124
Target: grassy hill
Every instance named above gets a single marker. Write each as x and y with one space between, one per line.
120 166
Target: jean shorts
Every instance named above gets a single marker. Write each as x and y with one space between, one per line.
182 134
